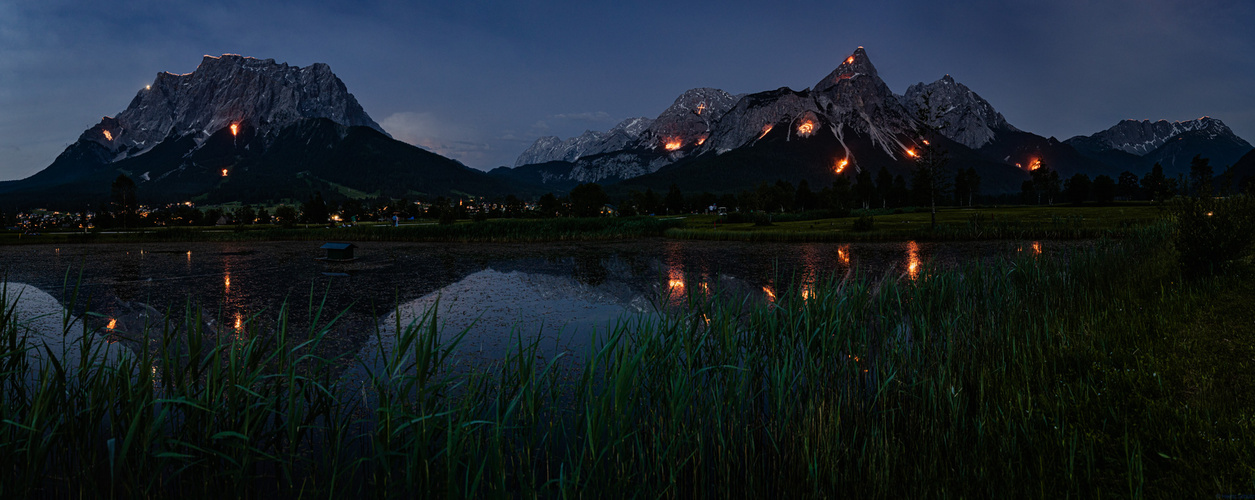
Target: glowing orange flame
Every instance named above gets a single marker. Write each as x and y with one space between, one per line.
911 153
1036 248
189 256
806 292
113 323
235 129
239 322
843 254
849 60
673 144
108 136
912 260
1209 214
770 294
806 128
841 165
226 281
766 128
925 142
701 107
701 140
224 172
1034 164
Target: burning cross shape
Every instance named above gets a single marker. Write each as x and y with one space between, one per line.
701 107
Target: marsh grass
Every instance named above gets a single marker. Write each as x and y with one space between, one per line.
1062 376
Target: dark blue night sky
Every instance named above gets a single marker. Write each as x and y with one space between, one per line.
479 81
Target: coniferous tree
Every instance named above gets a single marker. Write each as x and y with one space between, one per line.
930 158
884 186
1201 176
1104 189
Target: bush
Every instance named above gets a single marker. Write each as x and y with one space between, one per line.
447 216
1212 232
865 223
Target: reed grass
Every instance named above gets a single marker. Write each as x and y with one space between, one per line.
1042 376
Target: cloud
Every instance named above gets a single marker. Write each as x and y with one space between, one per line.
593 116
435 134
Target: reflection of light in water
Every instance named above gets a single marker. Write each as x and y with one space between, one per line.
239 322
912 259
843 254
1036 248
113 323
705 288
189 256
226 282
807 293
675 280
770 294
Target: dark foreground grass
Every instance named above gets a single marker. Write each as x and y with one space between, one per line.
1093 374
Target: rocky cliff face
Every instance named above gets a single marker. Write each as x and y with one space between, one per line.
1143 137
551 148
259 94
968 119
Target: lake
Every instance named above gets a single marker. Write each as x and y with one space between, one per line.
561 293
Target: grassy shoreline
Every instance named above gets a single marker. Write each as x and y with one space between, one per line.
1097 372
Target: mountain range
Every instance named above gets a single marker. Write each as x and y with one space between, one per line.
851 116
253 130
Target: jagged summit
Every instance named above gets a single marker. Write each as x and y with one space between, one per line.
230 89
969 119
854 65
1140 137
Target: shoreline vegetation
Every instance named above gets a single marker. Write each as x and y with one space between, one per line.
958 224
1111 370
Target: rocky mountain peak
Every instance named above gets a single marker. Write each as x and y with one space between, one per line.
1140 137
967 118
229 89
854 65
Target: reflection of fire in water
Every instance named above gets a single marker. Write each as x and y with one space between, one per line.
239 322
235 129
108 136
912 260
675 281
766 128
673 144
1036 248
843 254
770 294
113 323
805 128
226 281
841 165
224 172
189 256
807 291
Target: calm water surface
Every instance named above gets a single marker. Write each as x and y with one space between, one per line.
563 292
